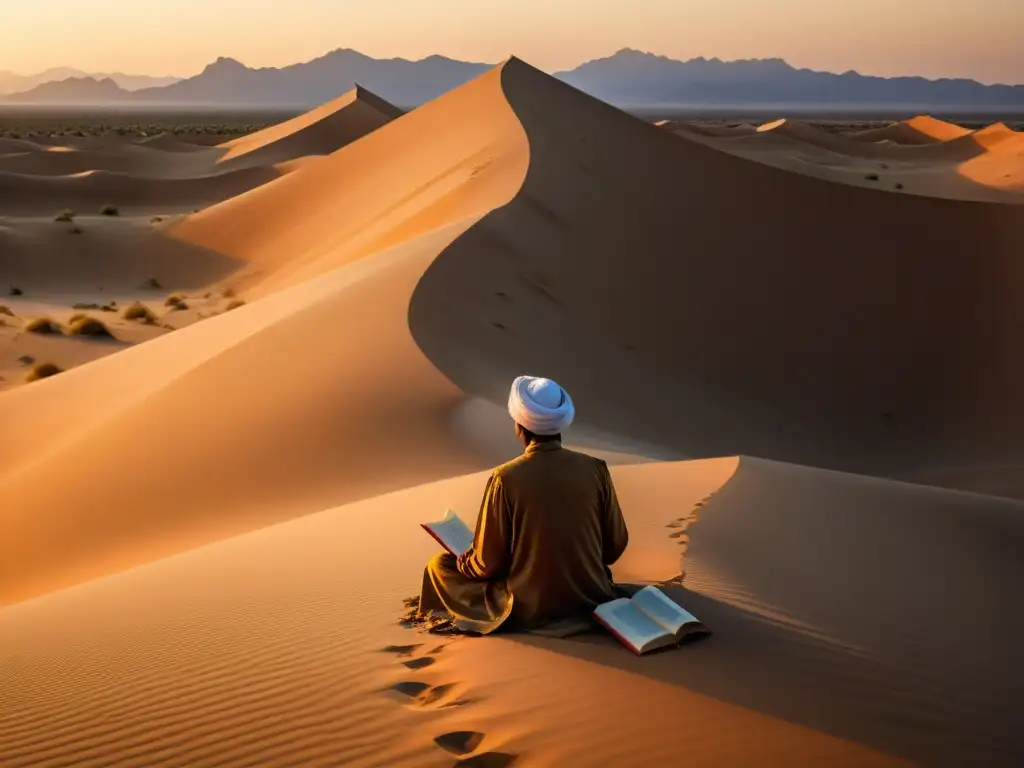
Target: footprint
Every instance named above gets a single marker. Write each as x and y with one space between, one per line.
419 663
488 760
401 650
410 689
441 695
425 695
459 742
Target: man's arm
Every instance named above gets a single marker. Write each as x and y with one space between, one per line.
614 536
489 556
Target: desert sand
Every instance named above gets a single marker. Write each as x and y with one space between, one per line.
922 156
807 389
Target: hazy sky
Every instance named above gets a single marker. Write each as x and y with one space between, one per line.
927 37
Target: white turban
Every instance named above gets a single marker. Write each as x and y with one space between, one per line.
540 405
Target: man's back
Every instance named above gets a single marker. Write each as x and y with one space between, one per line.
556 513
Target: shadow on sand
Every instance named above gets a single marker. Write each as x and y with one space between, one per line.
767 667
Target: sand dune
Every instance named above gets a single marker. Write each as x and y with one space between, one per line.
318 132
280 646
173 377
713 306
162 174
980 165
895 262
919 130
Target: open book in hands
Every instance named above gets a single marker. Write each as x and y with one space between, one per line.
451 533
648 620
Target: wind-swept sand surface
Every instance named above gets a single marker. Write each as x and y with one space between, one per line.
948 161
205 538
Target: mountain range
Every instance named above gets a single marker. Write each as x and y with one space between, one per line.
627 78
14 83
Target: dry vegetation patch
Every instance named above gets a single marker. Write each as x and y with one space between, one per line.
139 311
43 371
43 325
83 325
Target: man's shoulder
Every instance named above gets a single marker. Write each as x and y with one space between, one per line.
522 464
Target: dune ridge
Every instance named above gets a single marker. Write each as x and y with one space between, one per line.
667 257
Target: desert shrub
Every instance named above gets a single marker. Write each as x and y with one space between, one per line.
111 307
156 220
5 310
26 359
174 298
42 371
899 185
84 325
872 177
179 306
42 325
110 210
15 291
138 311
234 305
153 283
65 216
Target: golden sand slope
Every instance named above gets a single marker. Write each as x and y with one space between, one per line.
832 645
348 410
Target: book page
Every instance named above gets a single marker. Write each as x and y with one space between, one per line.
634 626
658 606
453 533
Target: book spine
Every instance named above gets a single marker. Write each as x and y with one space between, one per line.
436 538
615 633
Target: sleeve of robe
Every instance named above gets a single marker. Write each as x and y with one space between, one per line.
489 556
614 535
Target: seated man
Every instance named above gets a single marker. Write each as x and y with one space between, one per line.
549 527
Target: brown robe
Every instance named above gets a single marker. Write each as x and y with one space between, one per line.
549 527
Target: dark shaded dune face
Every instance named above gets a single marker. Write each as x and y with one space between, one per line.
716 305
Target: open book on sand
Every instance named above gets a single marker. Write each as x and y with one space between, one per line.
648 620
451 533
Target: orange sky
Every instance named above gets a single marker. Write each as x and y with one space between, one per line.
979 40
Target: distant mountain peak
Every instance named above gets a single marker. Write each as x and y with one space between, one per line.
225 64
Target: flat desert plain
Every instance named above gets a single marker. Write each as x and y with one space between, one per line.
236 377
